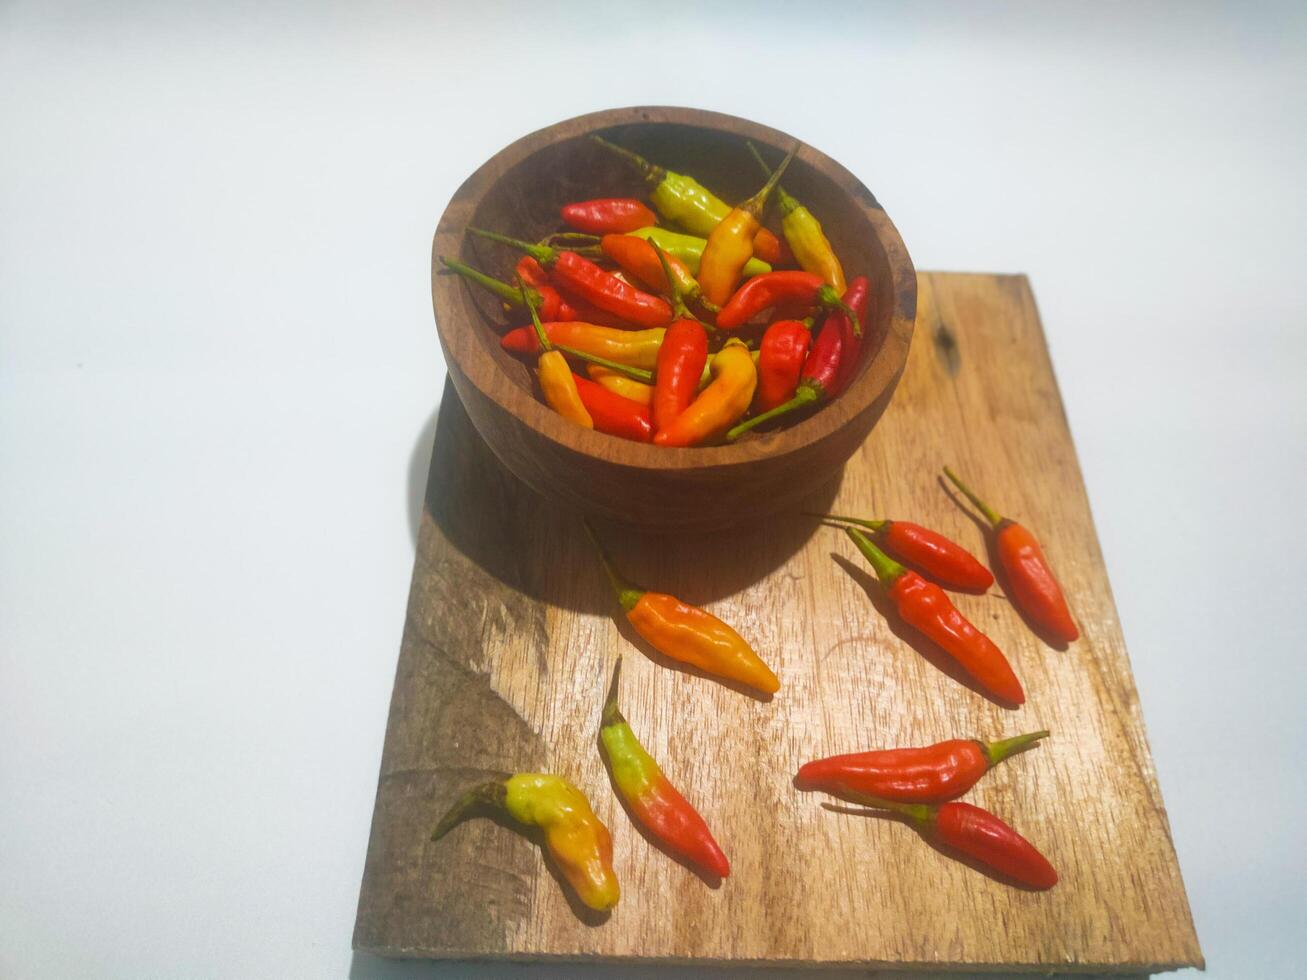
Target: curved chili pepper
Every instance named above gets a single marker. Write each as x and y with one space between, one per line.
730 244
657 805
608 215
857 298
925 607
544 298
816 380
932 774
557 382
687 633
812 249
789 287
620 384
681 359
727 397
687 202
783 350
579 275
980 835
634 348
949 564
689 249
575 838
1030 579
613 414
637 257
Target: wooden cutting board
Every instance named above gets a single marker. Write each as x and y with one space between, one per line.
512 632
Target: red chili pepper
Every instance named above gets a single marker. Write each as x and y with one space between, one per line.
681 359
815 380
949 564
925 607
579 275
932 774
609 215
791 286
1030 580
857 298
614 414
982 836
781 355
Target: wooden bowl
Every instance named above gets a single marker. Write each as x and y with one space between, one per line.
519 192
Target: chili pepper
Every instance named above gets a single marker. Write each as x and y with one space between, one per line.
687 633
1030 580
579 275
939 772
979 835
544 298
681 359
575 838
812 249
634 348
924 606
687 202
784 348
815 380
608 215
949 564
557 382
789 286
856 298
727 397
657 805
636 256
730 244
614 414
620 384
689 249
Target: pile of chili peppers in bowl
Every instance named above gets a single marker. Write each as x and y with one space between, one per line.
686 324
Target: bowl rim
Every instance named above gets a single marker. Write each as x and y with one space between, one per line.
479 368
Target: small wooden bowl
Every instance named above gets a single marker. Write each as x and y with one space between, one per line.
519 192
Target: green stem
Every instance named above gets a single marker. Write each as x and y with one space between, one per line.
545 343
827 296
806 394
996 752
486 796
501 289
887 569
636 374
991 515
569 236
922 814
652 174
627 594
756 204
870 525
612 713
541 253
783 200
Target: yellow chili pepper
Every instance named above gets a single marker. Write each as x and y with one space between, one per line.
637 391
730 245
803 231
575 838
555 374
634 348
727 398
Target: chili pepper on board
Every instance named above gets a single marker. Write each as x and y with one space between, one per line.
681 359
577 840
614 414
689 249
949 564
687 633
657 805
727 397
789 286
812 249
730 244
557 382
577 274
1030 579
608 215
620 384
637 257
634 348
816 380
857 297
981 836
933 774
782 352
924 606
687 202
544 297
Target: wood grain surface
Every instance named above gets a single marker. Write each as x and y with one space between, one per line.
512 632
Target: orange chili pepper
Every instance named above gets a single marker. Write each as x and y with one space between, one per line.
556 379
727 398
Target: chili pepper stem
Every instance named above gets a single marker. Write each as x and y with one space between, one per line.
783 200
996 752
827 295
859 521
921 814
541 253
755 204
806 395
887 569
487 795
612 713
541 336
501 289
637 374
652 173
627 594
991 515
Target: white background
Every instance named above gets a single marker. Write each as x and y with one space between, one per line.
218 374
